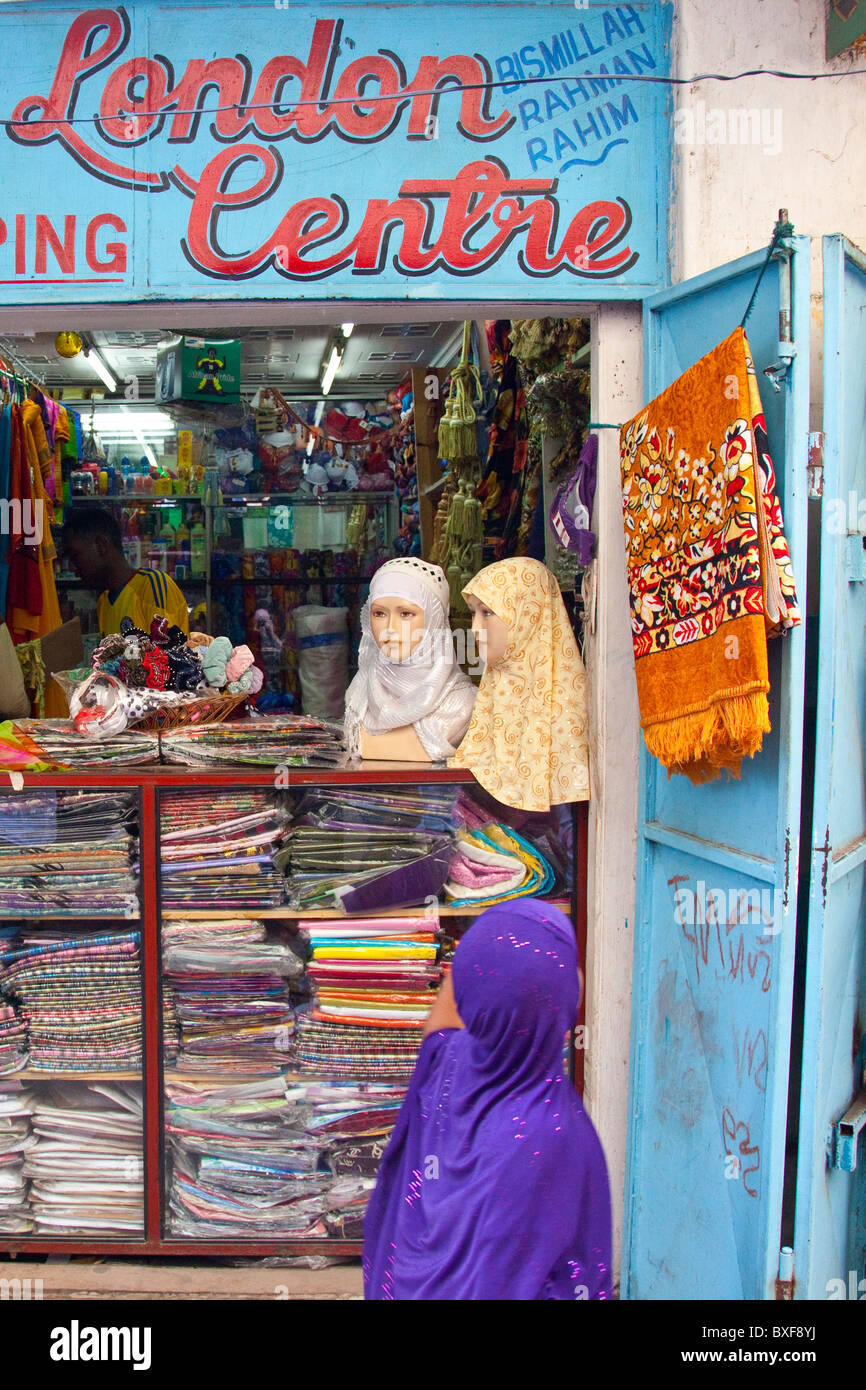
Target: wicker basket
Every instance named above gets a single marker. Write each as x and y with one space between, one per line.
212 709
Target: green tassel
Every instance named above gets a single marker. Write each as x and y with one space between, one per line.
473 528
455 515
455 584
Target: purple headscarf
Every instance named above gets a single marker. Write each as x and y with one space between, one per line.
494 1185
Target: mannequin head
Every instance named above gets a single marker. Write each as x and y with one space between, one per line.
397 626
491 632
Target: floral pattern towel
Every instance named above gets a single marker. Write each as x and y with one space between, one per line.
709 572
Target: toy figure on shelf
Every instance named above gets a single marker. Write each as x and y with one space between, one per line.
409 702
268 639
527 742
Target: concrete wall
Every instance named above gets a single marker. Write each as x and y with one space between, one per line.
617 395
809 156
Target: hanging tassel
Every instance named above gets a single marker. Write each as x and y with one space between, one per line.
455 518
455 584
473 528
457 429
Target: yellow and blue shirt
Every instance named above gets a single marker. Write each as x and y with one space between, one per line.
147 595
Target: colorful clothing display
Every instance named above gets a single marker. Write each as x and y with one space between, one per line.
710 576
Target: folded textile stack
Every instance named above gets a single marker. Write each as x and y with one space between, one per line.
13 1040
297 1161
60 742
67 854
81 1001
16 1105
85 1167
372 971
278 740
368 851
493 864
242 1161
228 981
216 850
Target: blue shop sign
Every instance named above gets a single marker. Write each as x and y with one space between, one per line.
267 150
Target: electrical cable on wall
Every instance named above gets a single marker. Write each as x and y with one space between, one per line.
372 98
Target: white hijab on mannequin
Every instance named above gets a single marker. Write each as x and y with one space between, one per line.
428 690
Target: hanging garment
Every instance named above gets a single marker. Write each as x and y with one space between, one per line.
5 444
62 433
24 587
527 742
493 1185
709 572
35 621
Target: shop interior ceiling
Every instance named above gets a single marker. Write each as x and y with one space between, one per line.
377 356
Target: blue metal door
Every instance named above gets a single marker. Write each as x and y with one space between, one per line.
830 1230
717 888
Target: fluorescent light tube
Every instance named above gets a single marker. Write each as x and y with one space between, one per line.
331 370
346 329
101 370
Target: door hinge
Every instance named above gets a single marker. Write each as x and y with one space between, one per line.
785 1280
815 466
825 872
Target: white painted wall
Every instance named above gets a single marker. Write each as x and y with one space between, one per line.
811 156
616 396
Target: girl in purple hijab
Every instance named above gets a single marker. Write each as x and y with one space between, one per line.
494 1185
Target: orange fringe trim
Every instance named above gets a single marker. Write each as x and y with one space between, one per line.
715 740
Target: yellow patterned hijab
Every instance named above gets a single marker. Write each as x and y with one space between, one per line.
527 742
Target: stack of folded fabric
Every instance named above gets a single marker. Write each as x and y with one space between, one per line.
217 848
59 742
67 854
355 1121
373 980
295 1161
373 971
368 851
85 1167
16 1106
80 998
287 740
13 1040
242 1162
228 982
493 865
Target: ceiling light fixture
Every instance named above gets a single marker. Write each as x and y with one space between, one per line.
346 329
330 370
99 366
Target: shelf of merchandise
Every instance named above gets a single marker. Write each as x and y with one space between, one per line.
236 503
150 782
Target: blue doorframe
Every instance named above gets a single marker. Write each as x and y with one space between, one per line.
830 1225
711 1020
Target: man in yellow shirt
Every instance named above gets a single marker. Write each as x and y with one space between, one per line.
93 547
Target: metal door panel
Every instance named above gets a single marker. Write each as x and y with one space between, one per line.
714 938
830 1230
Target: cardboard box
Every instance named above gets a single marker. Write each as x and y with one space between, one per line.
199 369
